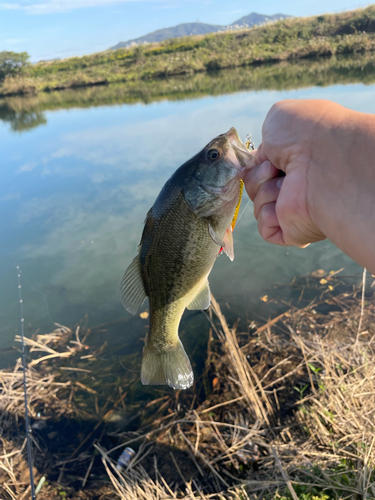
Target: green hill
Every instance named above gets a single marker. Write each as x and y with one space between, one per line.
289 39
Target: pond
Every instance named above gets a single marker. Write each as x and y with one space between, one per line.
80 169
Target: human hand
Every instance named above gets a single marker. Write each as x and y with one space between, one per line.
282 204
327 154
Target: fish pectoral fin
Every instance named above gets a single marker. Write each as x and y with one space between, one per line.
203 300
216 238
132 289
170 366
229 246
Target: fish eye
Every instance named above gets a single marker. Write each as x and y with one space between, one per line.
213 154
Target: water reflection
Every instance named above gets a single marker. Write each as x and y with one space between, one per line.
23 120
74 192
24 113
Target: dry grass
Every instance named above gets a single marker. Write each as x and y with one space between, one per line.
339 414
42 387
18 85
291 413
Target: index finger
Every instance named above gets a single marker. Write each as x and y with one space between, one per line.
259 155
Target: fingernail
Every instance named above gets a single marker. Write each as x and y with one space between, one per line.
279 182
263 170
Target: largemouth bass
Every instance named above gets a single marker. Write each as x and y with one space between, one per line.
185 230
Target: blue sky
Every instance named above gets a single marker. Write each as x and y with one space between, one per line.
49 29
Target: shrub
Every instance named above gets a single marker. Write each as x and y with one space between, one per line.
12 63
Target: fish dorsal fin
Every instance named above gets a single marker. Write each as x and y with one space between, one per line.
216 238
228 247
132 289
203 300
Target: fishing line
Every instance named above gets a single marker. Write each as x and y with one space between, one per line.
243 211
38 291
24 366
125 368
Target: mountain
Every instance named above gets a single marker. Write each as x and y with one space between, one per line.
184 29
187 29
255 18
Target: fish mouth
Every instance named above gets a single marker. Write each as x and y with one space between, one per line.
233 137
242 156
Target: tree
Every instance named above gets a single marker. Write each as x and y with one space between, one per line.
12 63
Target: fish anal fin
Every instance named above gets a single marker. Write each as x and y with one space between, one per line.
229 246
132 289
170 366
203 300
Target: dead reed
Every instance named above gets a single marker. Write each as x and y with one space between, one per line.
290 412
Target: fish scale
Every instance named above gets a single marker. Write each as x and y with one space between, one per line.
175 269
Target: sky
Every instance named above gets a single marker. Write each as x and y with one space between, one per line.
49 29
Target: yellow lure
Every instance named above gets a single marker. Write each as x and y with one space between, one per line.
233 223
250 146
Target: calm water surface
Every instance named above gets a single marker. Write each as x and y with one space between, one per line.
75 189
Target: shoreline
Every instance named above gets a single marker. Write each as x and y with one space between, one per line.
296 39
282 76
19 86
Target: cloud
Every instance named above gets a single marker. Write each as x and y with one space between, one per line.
27 167
10 6
11 197
14 41
56 6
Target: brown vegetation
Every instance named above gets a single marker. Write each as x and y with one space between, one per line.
283 410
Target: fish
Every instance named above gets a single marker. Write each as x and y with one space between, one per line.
189 225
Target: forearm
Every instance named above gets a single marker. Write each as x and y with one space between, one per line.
343 182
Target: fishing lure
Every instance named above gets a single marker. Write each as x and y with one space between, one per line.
250 146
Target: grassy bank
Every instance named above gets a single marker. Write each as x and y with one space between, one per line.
26 112
283 409
290 39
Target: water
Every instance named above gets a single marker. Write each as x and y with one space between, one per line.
78 175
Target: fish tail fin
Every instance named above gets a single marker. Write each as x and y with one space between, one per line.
170 366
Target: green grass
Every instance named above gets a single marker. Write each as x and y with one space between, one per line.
26 112
290 39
